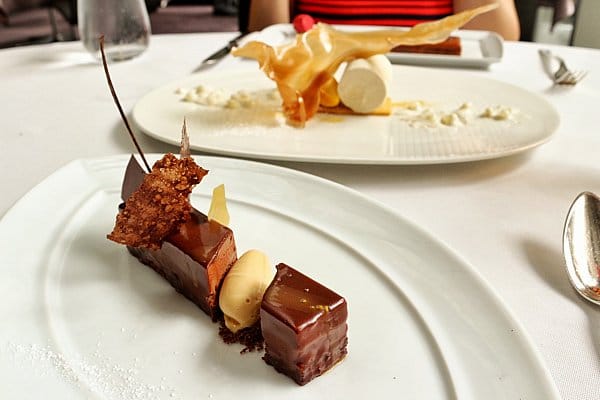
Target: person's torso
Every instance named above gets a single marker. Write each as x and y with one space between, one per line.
374 12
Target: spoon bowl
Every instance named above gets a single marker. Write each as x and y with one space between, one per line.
581 246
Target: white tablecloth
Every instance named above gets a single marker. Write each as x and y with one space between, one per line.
504 216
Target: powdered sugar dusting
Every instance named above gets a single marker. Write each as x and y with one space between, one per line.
98 375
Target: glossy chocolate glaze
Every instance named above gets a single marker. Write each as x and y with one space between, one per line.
303 324
195 258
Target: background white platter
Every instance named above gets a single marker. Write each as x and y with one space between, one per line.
262 133
480 49
82 319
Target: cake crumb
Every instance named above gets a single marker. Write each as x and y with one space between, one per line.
251 338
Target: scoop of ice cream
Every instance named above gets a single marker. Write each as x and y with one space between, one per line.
243 289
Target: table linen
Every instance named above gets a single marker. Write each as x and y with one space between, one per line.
503 216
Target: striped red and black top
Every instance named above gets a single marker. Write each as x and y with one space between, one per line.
374 12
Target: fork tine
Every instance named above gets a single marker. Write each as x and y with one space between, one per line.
581 75
570 77
574 77
564 78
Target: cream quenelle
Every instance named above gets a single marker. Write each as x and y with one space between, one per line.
243 289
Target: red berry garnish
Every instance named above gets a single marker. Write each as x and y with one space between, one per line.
303 22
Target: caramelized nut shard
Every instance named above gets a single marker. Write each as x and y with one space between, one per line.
160 205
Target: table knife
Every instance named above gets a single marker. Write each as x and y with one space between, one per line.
219 54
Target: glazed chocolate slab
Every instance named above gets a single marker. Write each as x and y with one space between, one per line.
303 324
195 258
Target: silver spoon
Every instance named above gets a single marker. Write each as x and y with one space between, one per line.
581 246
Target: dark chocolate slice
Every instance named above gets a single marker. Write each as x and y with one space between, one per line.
450 46
195 258
303 324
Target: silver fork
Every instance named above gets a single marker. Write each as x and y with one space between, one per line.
563 75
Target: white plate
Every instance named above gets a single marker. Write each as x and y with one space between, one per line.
81 318
480 49
353 139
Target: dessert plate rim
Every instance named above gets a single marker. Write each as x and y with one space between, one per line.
531 380
351 139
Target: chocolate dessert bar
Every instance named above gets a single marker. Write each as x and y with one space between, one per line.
303 324
195 258
450 46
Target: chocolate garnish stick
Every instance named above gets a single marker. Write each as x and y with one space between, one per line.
185 141
116 99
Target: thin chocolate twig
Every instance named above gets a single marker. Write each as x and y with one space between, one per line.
185 142
116 99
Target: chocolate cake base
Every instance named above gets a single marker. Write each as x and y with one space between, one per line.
194 260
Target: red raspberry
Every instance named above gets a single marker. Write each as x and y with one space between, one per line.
303 22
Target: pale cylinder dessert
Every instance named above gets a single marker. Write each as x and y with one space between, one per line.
364 85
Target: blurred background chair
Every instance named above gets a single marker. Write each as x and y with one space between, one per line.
529 16
186 16
25 22
243 14
586 31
